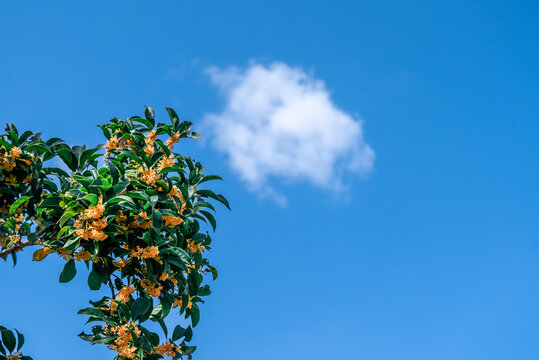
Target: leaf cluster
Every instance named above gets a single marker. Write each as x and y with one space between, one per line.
135 222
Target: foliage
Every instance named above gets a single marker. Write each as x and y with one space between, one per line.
134 222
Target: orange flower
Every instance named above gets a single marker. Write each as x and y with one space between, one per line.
150 252
172 221
82 255
168 349
97 210
12 180
99 224
173 140
149 150
152 289
120 218
113 143
125 294
163 277
65 254
195 247
94 230
113 305
14 356
26 161
120 264
123 344
149 176
144 224
174 191
15 153
166 162
179 302
152 136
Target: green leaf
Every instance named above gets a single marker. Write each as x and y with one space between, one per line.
67 215
25 136
152 337
92 198
154 199
38 147
195 315
177 333
146 122
157 219
139 307
69 272
94 280
166 301
88 155
121 199
163 325
170 169
209 178
20 340
210 218
178 252
50 202
204 291
137 195
72 244
77 150
173 118
157 312
177 263
62 232
86 337
8 339
188 334
93 313
66 154
18 203
149 114
218 197
213 272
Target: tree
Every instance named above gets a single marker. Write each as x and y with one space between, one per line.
134 222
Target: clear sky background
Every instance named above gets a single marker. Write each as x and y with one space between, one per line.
428 250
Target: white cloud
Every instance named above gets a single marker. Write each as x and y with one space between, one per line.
280 122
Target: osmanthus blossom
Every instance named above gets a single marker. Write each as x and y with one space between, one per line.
135 222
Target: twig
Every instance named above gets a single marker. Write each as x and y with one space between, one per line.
15 248
20 245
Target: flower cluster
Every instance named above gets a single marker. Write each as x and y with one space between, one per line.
172 221
150 252
115 143
136 222
151 288
173 140
123 343
91 225
141 221
168 349
14 356
125 294
149 148
194 246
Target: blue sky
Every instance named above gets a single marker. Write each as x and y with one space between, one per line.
431 251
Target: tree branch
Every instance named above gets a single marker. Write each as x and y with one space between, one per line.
20 245
15 248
